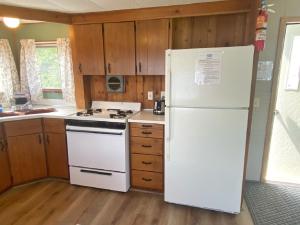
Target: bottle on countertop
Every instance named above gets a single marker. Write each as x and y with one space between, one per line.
1 108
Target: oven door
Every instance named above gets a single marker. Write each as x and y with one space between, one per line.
97 148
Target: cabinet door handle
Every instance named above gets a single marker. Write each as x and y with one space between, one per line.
140 67
146 163
147 146
80 68
146 132
108 68
146 179
48 139
40 138
5 145
2 145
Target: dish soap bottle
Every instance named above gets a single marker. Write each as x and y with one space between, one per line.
1 108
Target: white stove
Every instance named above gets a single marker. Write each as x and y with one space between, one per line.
98 145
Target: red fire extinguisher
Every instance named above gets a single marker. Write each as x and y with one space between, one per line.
261 28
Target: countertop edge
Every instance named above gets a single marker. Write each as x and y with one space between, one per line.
146 121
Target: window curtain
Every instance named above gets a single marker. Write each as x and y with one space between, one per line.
66 70
9 79
30 81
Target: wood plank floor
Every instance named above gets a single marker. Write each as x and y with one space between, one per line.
53 202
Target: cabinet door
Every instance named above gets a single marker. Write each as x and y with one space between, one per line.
5 177
27 158
152 39
119 43
88 43
57 157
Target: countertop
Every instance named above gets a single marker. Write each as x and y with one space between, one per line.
147 116
61 112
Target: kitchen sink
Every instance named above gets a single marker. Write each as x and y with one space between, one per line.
35 111
26 112
6 114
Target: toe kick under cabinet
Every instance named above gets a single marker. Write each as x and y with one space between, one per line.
147 147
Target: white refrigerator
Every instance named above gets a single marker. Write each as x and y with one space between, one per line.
207 104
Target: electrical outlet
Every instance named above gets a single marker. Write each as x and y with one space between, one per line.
162 94
150 95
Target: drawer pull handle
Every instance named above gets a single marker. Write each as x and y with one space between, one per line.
147 146
96 172
146 163
146 132
146 179
148 126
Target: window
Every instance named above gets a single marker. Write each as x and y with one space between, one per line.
293 77
49 71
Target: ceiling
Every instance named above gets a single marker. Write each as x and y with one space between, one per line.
81 6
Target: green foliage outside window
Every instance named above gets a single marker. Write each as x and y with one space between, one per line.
48 67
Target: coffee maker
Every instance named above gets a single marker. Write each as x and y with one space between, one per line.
159 107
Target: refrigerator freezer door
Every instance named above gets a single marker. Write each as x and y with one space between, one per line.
204 158
233 89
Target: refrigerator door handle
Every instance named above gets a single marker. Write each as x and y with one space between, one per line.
168 78
168 134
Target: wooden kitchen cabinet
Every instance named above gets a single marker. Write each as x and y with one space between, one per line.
119 45
56 148
152 39
88 44
5 175
26 150
146 148
27 158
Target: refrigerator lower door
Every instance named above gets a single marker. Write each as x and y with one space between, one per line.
204 160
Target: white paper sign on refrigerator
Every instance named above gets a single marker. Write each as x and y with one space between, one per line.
208 69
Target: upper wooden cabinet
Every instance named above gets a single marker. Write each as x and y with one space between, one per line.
152 39
119 44
88 49
5 177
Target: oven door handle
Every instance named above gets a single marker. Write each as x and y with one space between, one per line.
94 132
96 172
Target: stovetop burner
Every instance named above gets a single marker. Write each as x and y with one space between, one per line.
89 112
117 116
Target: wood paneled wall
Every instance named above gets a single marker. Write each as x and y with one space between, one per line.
136 89
209 31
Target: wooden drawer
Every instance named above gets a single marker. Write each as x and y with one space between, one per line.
147 126
147 180
147 162
148 146
146 132
23 127
54 125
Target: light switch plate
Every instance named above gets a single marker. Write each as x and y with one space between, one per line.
150 95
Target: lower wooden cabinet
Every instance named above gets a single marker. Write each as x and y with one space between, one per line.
146 147
56 148
57 159
5 176
27 157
